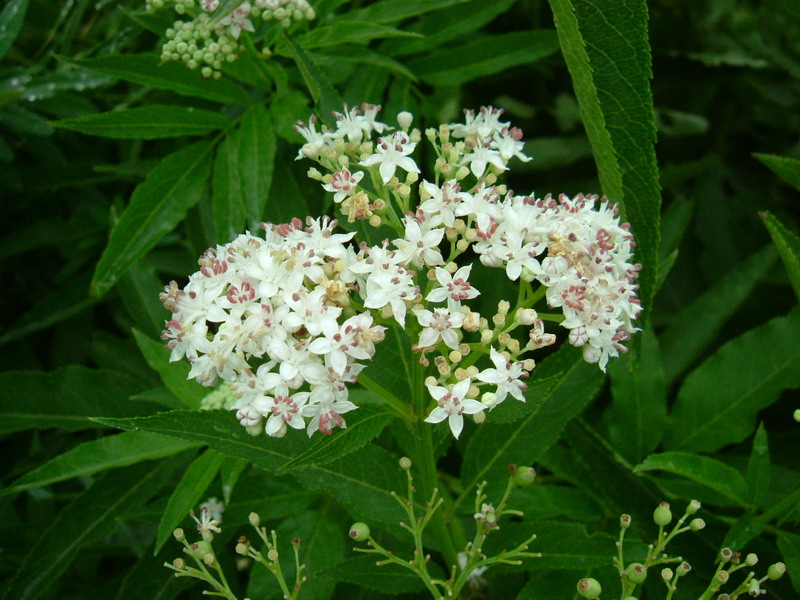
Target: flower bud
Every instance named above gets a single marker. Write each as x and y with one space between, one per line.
754 587
489 399
797 415
662 515
624 521
693 507
636 573
254 519
722 577
751 559
359 531
179 535
776 571
199 549
697 524
589 588
405 463
726 554
272 555
404 119
524 476
179 563
479 417
683 569
667 574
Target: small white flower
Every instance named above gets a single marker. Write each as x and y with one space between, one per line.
439 325
343 184
454 288
420 244
238 19
452 405
506 376
393 152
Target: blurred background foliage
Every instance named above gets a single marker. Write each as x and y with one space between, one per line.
726 85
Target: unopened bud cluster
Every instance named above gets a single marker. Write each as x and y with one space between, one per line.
205 39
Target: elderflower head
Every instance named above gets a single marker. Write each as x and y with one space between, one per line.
291 319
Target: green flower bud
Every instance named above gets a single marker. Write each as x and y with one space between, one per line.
726 554
200 549
693 507
797 415
589 588
206 72
636 573
624 521
524 476
179 535
272 555
405 463
662 515
359 531
697 524
667 574
751 559
776 571
683 569
254 519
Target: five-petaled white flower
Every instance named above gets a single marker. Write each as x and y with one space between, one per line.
454 288
393 152
506 376
452 405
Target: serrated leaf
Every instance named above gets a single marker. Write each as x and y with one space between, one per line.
147 122
10 23
173 374
681 345
606 49
158 204
139 288
789 547
639 406
390 11
363 426
109 452
719 400
227 203
146 69
704 470
89 518
187 493
219 430
494 447
485 56
537 391
323 93
66 398
441 27
387 579
785 167
255 159
345 32
758 468
788 245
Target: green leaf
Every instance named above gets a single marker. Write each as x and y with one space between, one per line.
443 26
147 122
89 518
784 167
146 69
188 493
391 11
718 402
345 32
230 471
484 56
10 23
109 452
66 398
173 374
788 245
545 501
704 470
227 202
537 392
758 469
363 482
387 579
606 49
323 93
139 288
682 345
255 158
639 393
789 547
389 373
363 426
219 430
494 447
158 204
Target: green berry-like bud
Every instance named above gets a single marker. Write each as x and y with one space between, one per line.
206 72
693 507
254 519
726 554
697 524
272 555
200 549
667 574
636 573
624 521
524 476
683 569
662 515
405 463
359 531
776 571
589 588
751 559
797 415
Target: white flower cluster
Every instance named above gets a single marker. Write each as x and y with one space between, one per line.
290 319
272 316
